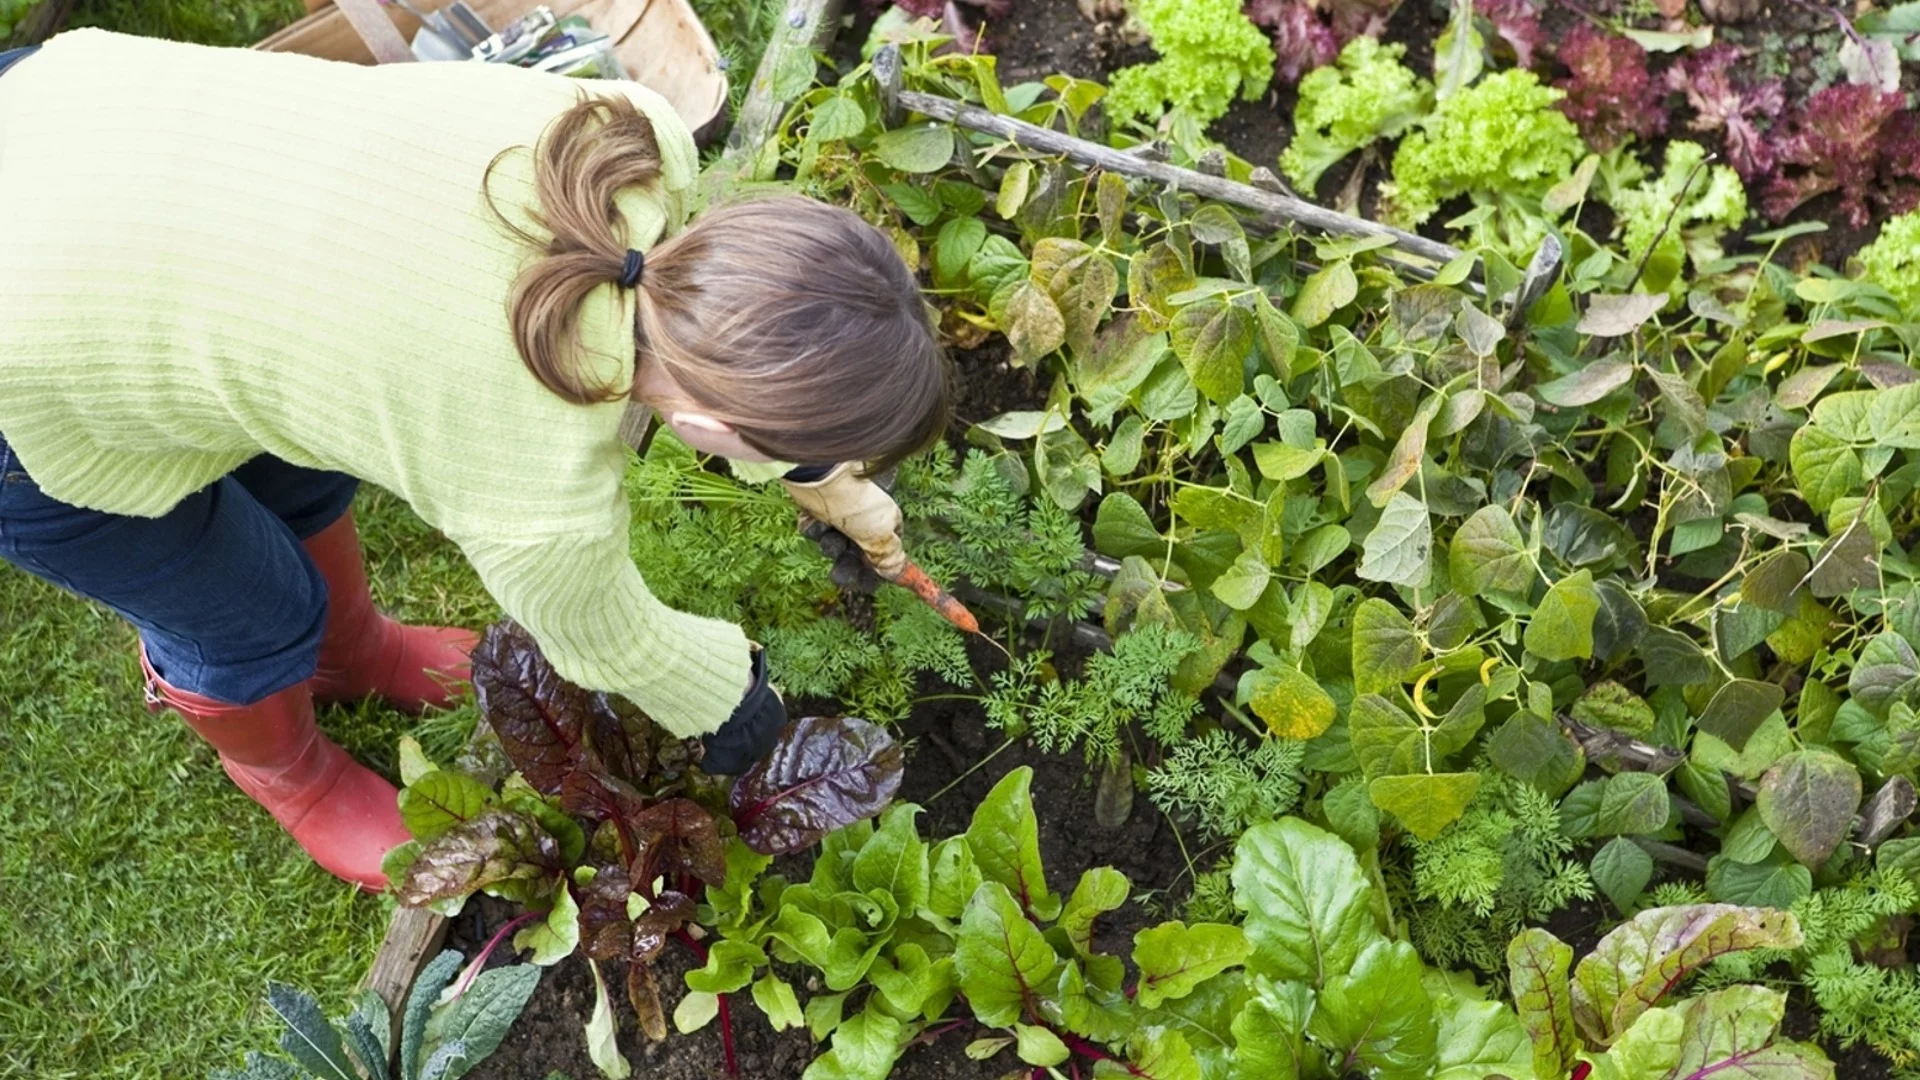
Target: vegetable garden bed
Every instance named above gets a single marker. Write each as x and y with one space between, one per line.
1589 607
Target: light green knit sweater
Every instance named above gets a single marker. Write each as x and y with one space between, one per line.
207 254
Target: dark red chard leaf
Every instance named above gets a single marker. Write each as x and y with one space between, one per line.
643 993
538 715
1854 140
668 912
491 850
1582 1070
677 837
606 933
1516 22
825 773
625 741
1611 95
1744 113
590 793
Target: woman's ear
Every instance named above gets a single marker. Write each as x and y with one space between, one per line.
698 421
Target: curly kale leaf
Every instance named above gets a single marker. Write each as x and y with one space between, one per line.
1686 207
1892 261
1500 141
1368 95
1209 53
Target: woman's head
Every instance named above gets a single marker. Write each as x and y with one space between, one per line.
781 324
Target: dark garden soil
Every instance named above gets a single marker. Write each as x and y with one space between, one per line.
953 760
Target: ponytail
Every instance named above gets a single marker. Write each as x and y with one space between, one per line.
588 155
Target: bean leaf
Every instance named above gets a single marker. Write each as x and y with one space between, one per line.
1399 550
1426 803
1291 702
1808 799
1488 553
1562 626
1739 708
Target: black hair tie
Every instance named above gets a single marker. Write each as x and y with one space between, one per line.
630 270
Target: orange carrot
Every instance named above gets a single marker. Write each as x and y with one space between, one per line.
937 598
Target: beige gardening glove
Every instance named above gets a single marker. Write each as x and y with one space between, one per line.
857 508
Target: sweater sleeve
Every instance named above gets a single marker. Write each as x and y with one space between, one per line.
583 600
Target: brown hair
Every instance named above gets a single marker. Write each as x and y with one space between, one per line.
795 322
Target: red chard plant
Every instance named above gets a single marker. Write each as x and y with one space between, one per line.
606 829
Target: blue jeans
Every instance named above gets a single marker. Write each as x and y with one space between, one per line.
226 600
11 57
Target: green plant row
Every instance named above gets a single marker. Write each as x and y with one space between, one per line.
1672 500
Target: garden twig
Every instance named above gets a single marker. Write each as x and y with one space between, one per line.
1274 208
1668 223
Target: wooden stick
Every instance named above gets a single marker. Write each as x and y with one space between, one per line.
1277 210
1889 807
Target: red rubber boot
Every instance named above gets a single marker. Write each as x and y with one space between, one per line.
364 653
344 814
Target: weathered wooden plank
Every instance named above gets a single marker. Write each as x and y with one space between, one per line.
413 938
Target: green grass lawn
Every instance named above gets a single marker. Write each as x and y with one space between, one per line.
144 901
211 22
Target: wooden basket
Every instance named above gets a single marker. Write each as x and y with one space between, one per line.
661 43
